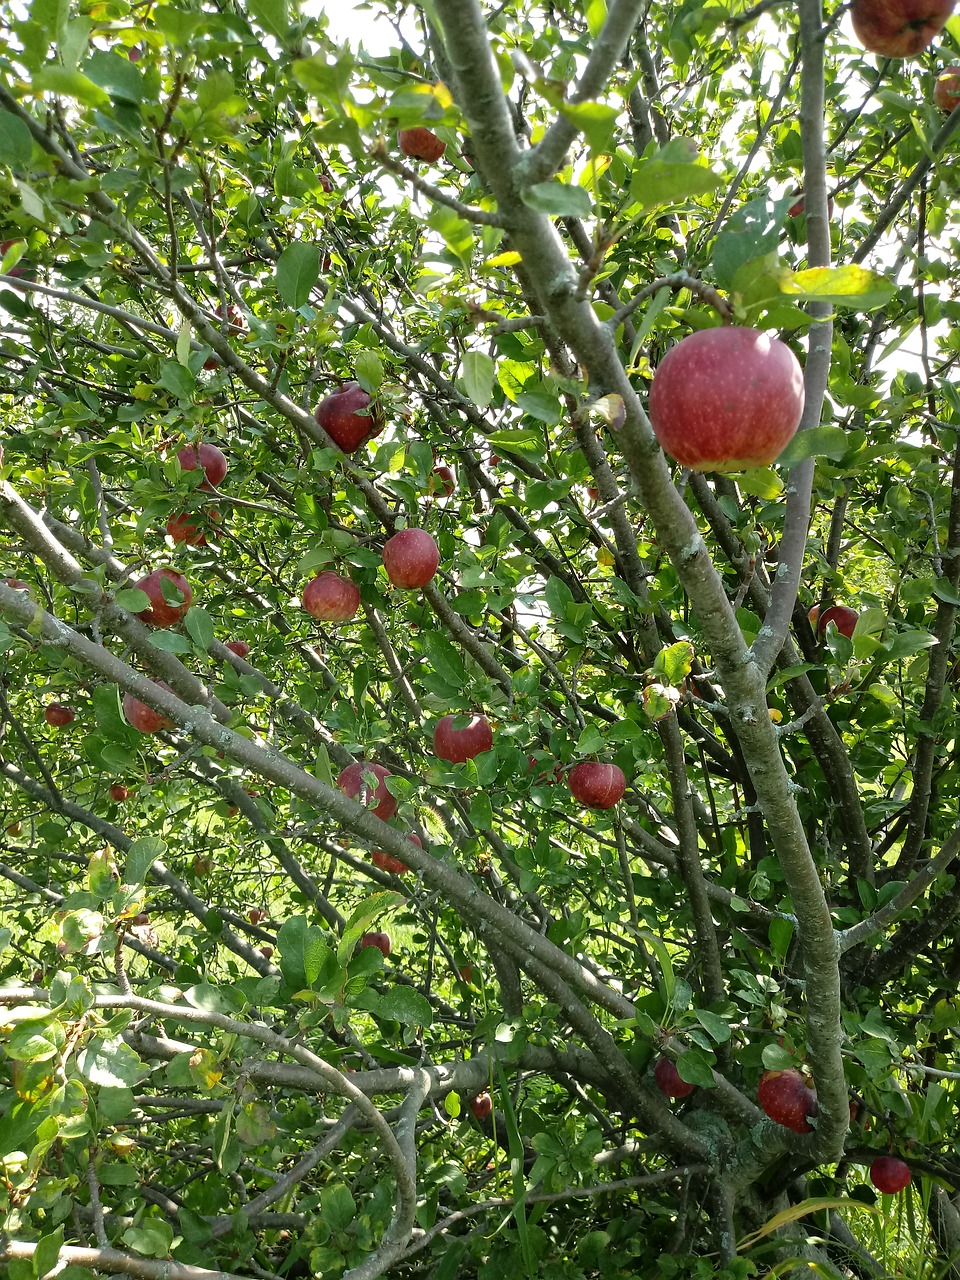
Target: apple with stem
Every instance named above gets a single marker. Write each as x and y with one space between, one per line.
164 612
379 940
57 715
421 144
331 598
669 1080
946 92
144 718
349 417
788 1099
726 399
208 458
387 862
898 28
595 785
482 1105
890 1175
411 558
352 783
460 745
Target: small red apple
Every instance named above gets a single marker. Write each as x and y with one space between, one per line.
134 54
212 460
441 480
459 745
421 144
331 598
411 558
202 867
188 527
24 270
163 613
267 953
325 183
379 940
669 1080
726 399
118 792
946 92
351 783
387 862
465 974
890 1175
842 617
787 1098
597 786
898 28
547 777
256 914
481 1105
17 584
14 828
797 208
239 647
57 715
348 418
144 718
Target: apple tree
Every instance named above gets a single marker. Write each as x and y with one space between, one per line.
444 832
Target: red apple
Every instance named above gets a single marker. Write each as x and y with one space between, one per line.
481 1105
946 92
209 457
597 786
58 715
330 598
669 1080
351 783
842 617
726 399
161 612
188 527
267 953
239 647
17 584
787 1098
24 270
797 208
410 558
459 745
387 862
465 974
118 792
348 418
441 480
548 776
890 1175
144 718
898 28
256 914
134 54
379 940
421 144
325 183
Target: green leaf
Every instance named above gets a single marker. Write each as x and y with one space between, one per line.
826 442
696 1067
675 662
272 15
658 182
115 73
16 144
141 856
558 596
752 231
846 286
298 269
716 1027
595 120
558 199
177 378
337 1206
153 1237
445 659
199 625
47 1251
70 84
110 1062
403 1004
369 371
477 378
132 599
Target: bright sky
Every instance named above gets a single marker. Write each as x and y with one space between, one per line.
352 23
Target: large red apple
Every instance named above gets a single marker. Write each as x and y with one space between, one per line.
842 616
379 940
144 718
387 862
946 92
726 399
163 613
890 1175
351 783
212 460
330 598
57 715
348 418
669 1080
787 1098
597 786
421 144
410 558
459 745
898 28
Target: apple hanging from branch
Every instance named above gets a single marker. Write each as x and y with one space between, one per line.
411 558
352 783
57 715
595 785
208 458
788 1099
331 598
349 417
898 28
163 612
460 745
421 144
144 718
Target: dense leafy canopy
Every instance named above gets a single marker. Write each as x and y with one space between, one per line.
248 1026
